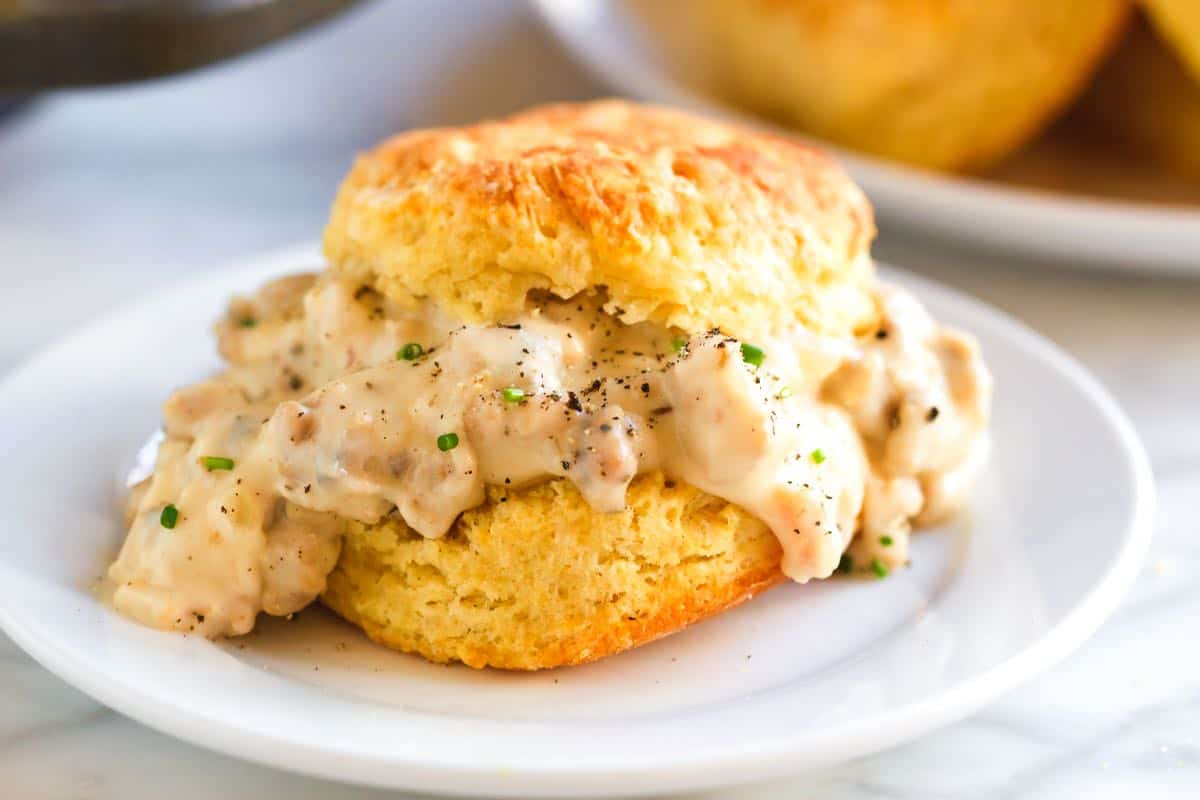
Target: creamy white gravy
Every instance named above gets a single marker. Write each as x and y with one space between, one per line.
338 404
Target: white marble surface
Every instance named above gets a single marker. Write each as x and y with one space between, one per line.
108 193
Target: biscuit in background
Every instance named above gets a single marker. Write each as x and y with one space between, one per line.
949 84
1145 102
1178 23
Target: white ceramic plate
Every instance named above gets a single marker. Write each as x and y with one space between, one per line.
802 676
612 39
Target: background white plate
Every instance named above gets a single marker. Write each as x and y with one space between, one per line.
613 41
803 676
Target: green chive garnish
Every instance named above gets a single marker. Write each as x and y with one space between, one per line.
753 355
846 564
785 393
886 541
512 394
409 352
447 441
216 462
879 568
248 322
818 456
678 343
169 516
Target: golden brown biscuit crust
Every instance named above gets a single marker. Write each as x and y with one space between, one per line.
682 220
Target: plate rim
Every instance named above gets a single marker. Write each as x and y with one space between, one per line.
1063 222
736 763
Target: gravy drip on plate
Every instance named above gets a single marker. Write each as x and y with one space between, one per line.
339 404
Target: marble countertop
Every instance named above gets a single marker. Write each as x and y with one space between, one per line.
108 193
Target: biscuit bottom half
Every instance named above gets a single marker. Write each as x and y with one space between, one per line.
535 578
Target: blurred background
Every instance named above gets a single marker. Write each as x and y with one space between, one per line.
1041 154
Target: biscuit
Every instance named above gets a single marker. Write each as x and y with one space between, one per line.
1160 126
1178 23
536 578
945 84
677 220
680 220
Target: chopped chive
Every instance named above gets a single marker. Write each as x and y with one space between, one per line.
879 568
512 394
247 322
818 456
886 541
846 564
785 393
678 343
752 355
447 441
169 516
211 463
409 352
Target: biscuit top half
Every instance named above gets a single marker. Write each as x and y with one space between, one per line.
678 219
